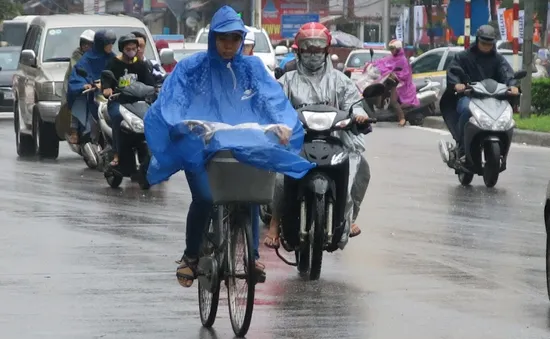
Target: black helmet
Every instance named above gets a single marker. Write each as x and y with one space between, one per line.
486 33
126 39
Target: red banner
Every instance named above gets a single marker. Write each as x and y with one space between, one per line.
272 10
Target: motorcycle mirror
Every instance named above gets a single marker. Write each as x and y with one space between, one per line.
371 52
520 75
278 72
81 72
108 75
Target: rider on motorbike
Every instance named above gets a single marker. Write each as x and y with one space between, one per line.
405 92
160 45
93 62
248 47
188 93
127 69
154 66
480 62
86 44
314 82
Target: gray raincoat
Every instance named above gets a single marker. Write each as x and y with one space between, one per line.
331 87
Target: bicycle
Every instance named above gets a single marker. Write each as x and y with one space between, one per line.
236 188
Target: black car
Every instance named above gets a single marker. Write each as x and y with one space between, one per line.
9 58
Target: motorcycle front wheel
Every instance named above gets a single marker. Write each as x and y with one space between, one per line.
491 169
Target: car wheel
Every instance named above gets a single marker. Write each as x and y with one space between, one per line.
24 143
47 141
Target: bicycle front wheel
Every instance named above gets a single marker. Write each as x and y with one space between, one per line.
241 278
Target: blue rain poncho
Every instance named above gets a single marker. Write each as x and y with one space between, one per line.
93 62
208 88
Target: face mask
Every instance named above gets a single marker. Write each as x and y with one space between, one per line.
313 61
130 55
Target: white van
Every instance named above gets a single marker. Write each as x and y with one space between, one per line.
263 49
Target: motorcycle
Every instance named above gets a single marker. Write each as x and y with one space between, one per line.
317 216
134 158
488 133
426 93
90 145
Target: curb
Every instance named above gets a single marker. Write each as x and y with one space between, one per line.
520 136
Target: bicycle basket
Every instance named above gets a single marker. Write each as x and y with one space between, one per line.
234 182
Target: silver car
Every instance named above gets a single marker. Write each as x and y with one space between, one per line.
38 81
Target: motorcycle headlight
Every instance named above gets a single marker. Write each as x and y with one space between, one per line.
505 121
131 121
479 118
319 121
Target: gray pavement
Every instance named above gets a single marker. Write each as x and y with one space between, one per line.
435 260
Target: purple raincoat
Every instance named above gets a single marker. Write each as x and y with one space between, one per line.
406 89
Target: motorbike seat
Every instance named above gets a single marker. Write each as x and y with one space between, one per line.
420 86
139 108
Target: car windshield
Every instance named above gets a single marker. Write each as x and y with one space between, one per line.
180 54
61 42
9 59
358 60
262 44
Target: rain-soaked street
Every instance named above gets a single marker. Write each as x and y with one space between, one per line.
435 260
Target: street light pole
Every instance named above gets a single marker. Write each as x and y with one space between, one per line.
386 19
525 104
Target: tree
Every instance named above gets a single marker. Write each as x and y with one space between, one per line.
9 9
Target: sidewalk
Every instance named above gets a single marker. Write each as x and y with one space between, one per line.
520 136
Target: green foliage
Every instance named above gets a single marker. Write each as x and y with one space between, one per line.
9 9
540 92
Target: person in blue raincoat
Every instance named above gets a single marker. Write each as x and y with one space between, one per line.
93 62
219 85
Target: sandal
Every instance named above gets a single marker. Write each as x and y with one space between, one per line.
73 137
260 272
114 162
272 242
355 231
187 271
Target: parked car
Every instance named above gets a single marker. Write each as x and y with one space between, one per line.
434 64
9 58
38 81
186 50
263 49
356 60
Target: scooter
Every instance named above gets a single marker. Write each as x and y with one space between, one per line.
134 158
90 145
318 216
488 133
426 93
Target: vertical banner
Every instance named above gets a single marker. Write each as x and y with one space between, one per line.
506 23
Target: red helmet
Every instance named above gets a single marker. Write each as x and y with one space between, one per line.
313 34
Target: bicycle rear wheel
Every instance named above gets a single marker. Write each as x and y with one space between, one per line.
241 271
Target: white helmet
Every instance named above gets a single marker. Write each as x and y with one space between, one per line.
87 35
250 39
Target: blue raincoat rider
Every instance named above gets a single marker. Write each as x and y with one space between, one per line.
93 62
219 85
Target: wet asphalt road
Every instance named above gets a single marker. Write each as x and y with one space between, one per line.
435 260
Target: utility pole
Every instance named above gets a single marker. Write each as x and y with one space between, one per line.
411 22
525 104
386 19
